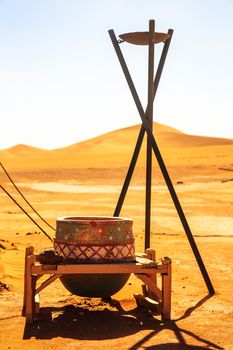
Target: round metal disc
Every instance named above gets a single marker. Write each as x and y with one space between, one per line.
142 38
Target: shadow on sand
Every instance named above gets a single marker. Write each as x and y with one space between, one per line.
75 322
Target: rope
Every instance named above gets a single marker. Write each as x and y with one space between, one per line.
7 174
8 194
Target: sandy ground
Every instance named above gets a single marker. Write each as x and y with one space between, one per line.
199 321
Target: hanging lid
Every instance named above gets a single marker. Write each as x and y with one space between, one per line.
142 38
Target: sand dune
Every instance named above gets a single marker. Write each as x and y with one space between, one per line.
166 136
115 148
85 179
22 149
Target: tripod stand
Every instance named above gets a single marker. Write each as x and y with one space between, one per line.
151 38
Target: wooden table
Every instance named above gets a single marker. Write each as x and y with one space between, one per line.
145 268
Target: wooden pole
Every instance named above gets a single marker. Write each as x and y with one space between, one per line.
166 290
28 251
29 309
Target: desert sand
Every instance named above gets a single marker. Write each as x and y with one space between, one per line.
85 179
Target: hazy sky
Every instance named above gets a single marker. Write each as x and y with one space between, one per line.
61 82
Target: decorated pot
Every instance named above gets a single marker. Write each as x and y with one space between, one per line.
95 240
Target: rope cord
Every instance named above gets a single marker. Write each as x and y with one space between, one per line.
12 198
21 194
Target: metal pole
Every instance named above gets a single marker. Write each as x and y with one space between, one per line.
129 172
142 130
150 120
162 164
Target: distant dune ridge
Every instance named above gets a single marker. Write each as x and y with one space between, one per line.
115 149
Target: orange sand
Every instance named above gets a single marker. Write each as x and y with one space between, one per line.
85 179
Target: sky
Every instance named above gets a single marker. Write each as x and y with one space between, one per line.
61 82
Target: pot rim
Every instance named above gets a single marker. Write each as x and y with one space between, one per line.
93 218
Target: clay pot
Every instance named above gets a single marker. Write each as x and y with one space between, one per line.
95 240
